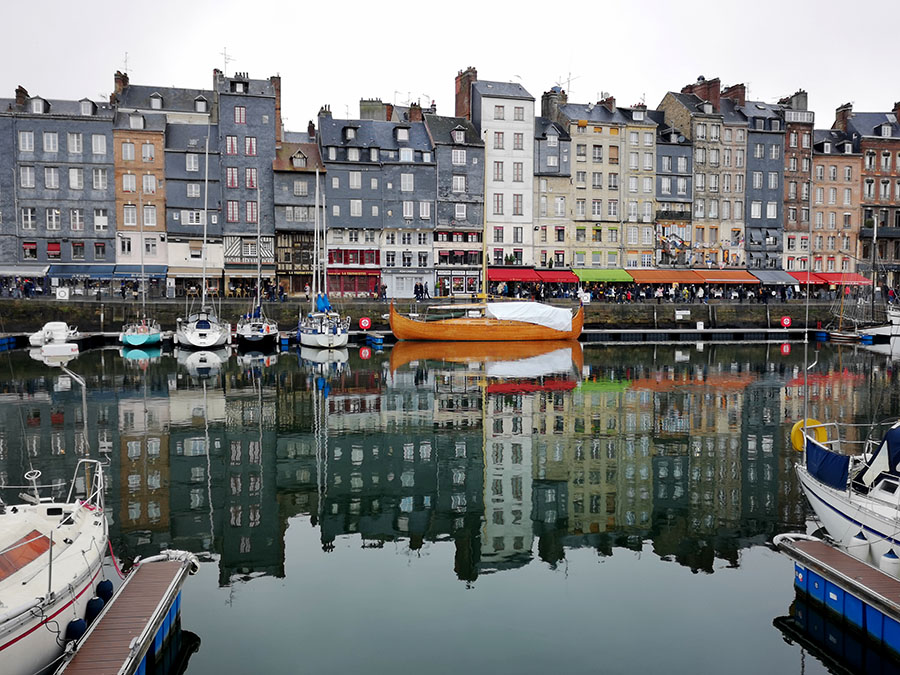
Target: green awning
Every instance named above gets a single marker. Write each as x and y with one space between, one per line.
604 386
608 275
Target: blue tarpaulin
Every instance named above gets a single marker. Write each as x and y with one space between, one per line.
81 271
826 466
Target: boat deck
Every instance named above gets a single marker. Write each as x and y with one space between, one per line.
133 616
863 580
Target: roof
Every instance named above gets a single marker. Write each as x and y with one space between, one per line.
501 89
869 124
628 114
731 113
58 107
543 124
592 112
286 152
440 128
761 109
372 134
836 137
191 136
152 121
173 98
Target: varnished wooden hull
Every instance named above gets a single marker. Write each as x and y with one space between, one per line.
403 353
480 329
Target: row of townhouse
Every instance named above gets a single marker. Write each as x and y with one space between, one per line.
402 195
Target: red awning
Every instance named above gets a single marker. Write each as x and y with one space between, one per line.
812 277
665 276
718 276
845 279
352 270
52 247
530 387
29 244
557 276
512 274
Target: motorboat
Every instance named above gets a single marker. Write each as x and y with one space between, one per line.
490 321
856 497
51 569
202 330
53 331
55 353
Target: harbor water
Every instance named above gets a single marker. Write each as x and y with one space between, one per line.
444 509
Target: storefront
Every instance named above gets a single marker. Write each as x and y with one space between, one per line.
350 282
457 282
82 280
188 281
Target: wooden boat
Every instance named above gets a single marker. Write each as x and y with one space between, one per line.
403 353
477 326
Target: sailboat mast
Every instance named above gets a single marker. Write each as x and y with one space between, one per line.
205 215
258 250
315 265
324 247
141 246
874 259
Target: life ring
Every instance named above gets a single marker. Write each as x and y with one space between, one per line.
819 433
267 329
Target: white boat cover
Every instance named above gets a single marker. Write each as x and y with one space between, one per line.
557 361
557 318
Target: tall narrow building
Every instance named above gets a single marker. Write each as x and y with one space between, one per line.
798 151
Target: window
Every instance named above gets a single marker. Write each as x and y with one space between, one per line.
632 160
251 211
353 154
597 180
773 180
129 182
148 152
459 183
77 250
425 210
149 184
101 220
755 209
232 211
51 177
231 176
231 145
498 204
406 154
552 160
498 140
499 112
98 144
406 182
125 246
757 180
613 181
832 195
250 177
498 172
356 208
335 182
518 205
581 152
28 218
129 215
519 113
250 146
517 235
26 176
149 216
408 210
150 245
460 212
373 184
240 114
648 138
75 143
53 218
51 141
518 141
26 141
771 210
665 185
681 186
191 162
648 161
612 208
739 158
632 184
458 157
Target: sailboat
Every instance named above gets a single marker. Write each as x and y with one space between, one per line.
255 329
203 329
145 331
322 327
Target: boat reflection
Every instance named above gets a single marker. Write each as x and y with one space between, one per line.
141 356
202 364
500 359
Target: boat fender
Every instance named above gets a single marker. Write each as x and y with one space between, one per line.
859 546
75 629
819 433
889 563
105 590
94 607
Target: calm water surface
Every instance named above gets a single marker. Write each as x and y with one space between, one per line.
451 510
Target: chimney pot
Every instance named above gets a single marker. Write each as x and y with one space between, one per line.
21 95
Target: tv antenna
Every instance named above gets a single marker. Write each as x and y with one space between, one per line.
225 59
568 80
125 66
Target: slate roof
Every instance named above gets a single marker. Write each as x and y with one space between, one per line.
57 107
501 89
173 98
628 114
836 137
595 113
372 134
152 121
179 137
761 109
732 113
543 124
283 156
869 124
440 128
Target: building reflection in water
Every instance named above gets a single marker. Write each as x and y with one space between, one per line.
509 452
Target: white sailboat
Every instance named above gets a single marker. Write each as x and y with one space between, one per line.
203 329
144 331
254 329
322 327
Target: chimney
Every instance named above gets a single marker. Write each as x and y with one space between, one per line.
276 85
21 95
609 102
325 111
736 93
388 111
464 80
896 111
121 80
550 103
841 115
415 112
311 131
707 90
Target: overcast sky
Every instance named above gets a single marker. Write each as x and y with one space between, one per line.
339 52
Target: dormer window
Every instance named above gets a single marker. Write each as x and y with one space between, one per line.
349 133
373 154
886 130
552 141
238 87
87 108
402 134
707 108
760 124
459 136
776 125
298 161
200 105
848 148
136 121
638 115
155 102
37 105
826 148
406 154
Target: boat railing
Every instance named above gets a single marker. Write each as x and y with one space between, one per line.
838 442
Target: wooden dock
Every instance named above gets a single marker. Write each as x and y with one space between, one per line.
134 624
863 596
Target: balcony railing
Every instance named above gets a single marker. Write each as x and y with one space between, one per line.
673 215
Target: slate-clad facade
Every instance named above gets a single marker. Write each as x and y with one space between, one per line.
458 245
60 211
674 195
764 229
555 235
